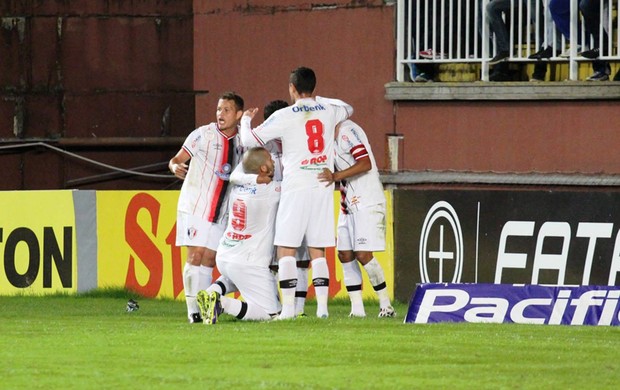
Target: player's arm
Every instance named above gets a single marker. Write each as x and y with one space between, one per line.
346 110
361 166
177 164
249 136
239 177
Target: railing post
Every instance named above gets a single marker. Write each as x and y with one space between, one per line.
573 71
400 40
484 65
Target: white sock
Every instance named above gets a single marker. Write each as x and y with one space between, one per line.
320 280
191 276
222 286
353 282
377 279
206 277
287 276
243 310
301 291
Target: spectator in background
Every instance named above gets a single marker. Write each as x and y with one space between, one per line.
591 9
548 49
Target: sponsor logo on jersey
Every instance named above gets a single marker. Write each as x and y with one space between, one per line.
248 189
224 172
237 236
318 107
315 163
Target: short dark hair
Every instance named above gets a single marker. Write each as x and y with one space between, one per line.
235 98
253 159
273 106
303 79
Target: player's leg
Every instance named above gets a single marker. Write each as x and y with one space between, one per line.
301 290
191 282
258 290
320 280
350 268
213 235
353 282
291 223
287 279
320 235
369 225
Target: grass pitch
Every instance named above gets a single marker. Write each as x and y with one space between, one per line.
78 342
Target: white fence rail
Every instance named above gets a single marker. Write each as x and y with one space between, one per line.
456 31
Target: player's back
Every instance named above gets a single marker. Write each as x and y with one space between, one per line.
249 234
364 189
307 133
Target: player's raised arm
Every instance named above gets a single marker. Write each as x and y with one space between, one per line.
248 138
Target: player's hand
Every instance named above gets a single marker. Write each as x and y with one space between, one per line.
264 179
179 170
326 177
250 112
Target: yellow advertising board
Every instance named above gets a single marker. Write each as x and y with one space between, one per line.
37 242
136 235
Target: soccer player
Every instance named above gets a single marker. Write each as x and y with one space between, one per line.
361 222
202 208
306 129
246 248
302 256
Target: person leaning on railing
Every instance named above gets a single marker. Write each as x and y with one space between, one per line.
591 10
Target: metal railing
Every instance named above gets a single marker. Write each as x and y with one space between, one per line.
456 31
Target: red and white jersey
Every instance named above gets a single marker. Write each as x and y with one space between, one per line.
306 130
363 190
248 238
213 157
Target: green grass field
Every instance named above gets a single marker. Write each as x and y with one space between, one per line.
90 342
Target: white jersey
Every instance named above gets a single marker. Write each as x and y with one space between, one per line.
213 156
274 147
362 190
248 238
306 130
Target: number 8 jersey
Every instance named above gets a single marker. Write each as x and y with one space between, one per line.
306 130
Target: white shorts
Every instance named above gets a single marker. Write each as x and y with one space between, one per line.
257 285
308 213
363 230
195 231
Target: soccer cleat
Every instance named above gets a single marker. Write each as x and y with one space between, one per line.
387 312
210 306
195 318
357 314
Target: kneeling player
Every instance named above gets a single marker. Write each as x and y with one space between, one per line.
245 250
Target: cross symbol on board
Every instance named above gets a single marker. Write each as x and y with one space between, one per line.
441 255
